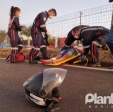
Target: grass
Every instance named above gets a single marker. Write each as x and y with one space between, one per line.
105 56
4 52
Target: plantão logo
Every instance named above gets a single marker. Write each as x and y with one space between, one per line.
102 101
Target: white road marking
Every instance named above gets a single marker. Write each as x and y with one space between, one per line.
91 68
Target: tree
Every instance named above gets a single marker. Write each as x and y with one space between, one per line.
3 36
27 32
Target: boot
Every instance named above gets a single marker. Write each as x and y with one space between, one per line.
19 48
44 53
13 58
8 58
32 56
95 65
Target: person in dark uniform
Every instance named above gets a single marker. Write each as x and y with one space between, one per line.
73 35
13 28
68 50
95 38
36 33
110 36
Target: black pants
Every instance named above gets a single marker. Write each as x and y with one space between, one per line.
110 46
95 48
15 43
39 45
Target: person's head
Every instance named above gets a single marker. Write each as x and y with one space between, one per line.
52 13
14 11
76 32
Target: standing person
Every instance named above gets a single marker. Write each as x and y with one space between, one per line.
110 36
36 33
13 28
95 38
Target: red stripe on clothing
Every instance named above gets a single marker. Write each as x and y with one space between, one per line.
92 53
12 55
95 54
11 34
94 47
32 55
35 32
37 23
14 34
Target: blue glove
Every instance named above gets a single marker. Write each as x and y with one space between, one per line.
83 57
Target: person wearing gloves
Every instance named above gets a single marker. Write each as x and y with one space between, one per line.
94 38
13 28
68 50
73 35
37 29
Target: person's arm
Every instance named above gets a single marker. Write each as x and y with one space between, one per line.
16 22
43 20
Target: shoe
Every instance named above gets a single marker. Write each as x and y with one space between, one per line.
43 61
37 58
8 58
14 61
46 58
33 62
111 67
95 65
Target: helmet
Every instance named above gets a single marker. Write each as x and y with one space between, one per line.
42 88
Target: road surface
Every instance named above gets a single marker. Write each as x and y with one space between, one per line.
77 84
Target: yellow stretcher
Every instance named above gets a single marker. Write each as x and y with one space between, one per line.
68 59
78 61
62 62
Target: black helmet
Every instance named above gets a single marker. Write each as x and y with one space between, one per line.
42 88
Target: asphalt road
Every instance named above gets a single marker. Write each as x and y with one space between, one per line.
77 84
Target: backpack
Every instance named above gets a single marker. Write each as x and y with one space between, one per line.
20 57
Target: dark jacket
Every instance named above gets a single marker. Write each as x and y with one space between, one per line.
40 21
14 24
91 34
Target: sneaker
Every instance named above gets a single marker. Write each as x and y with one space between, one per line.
8 58
33 62
14 61
37 58
111 67
95 65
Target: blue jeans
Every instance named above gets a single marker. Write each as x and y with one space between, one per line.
110 39
63 52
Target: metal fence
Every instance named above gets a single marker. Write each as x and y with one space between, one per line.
99 16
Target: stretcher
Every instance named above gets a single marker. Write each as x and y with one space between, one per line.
69 59
78 61
64 61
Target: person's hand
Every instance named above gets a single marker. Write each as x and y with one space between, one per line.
22 28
